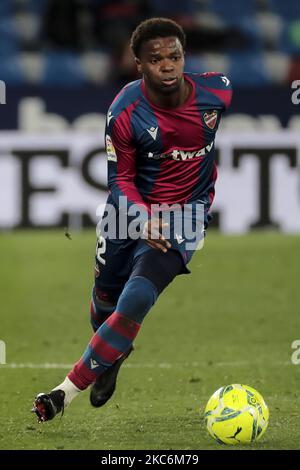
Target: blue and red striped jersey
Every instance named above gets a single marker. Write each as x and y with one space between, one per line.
158 155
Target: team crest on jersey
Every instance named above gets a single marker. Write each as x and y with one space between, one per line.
210 118
110 149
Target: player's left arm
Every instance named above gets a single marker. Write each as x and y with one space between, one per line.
220 87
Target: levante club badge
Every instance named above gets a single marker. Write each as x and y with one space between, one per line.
210 118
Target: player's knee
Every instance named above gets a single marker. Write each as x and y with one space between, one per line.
137 298
100 309
104 299
144 292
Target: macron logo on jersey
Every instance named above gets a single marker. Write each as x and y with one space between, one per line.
225 80
179 239
153 132
109 117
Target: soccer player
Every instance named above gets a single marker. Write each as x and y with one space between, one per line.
160 147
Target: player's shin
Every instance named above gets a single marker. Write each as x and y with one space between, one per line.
115 336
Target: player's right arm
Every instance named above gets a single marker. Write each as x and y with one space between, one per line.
121 155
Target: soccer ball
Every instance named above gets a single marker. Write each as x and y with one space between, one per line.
236 414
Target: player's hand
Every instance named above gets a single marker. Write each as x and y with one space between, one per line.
152 232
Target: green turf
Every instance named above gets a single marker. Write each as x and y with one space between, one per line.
231 321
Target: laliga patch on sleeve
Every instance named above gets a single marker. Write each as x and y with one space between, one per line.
110 149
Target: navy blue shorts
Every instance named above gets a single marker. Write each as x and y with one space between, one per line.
116 258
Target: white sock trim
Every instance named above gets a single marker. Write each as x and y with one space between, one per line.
71 391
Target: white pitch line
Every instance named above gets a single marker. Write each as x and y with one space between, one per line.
162 365
31 365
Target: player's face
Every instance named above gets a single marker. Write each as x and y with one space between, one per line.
161 62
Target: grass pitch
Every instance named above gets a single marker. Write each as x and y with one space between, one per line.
232 320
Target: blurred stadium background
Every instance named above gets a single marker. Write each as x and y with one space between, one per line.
62 62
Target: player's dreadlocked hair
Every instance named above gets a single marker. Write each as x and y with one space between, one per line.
152 29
